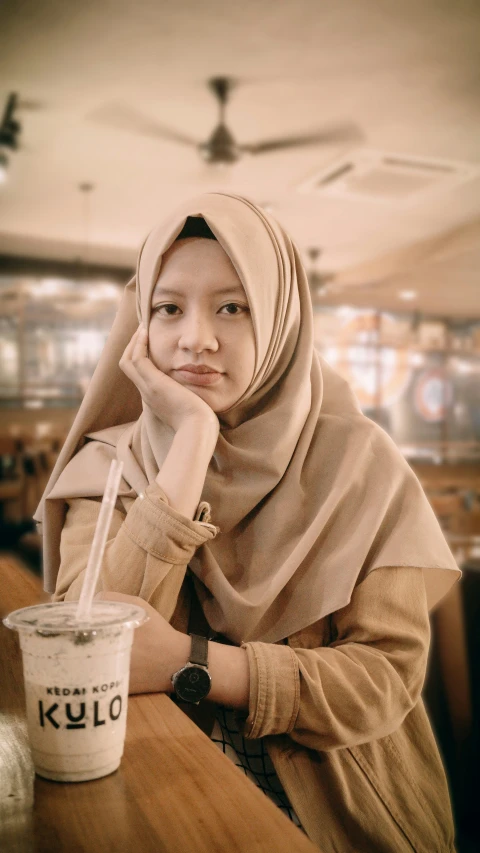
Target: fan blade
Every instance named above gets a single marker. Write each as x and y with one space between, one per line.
401 261
126 118
340 133
30 104
10 107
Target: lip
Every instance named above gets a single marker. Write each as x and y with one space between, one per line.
198 374
198 368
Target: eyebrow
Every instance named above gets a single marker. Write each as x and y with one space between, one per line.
160 291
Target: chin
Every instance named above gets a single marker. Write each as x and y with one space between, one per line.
206 397
216 401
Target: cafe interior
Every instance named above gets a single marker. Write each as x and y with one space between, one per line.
356 124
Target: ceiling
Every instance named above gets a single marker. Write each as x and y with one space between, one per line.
406 73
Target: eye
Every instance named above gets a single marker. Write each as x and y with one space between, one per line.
169 309
233 308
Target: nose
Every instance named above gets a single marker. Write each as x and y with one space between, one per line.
197 333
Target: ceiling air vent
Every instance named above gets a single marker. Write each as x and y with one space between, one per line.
375 176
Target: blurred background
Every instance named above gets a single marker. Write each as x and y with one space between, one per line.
356 123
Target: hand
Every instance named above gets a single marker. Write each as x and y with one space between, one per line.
158 649
170 401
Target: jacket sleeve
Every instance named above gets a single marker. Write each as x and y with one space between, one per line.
362 684
147 552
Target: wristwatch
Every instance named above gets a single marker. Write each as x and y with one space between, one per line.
193 681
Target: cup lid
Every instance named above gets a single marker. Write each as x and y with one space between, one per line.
59 617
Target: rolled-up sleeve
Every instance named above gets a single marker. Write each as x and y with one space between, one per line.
147 552
274 689
160 530
362 684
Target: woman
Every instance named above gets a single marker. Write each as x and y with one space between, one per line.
316 569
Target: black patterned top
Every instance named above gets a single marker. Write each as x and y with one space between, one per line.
251 756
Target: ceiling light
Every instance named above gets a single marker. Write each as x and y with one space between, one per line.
416 359
330 354
346 313
103 292
407 294
462 366
52 286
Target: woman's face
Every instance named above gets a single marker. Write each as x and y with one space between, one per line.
200 332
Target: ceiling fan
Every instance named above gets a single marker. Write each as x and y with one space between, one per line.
221 146
9 131
9 127
320 282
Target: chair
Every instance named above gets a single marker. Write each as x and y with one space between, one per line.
12 479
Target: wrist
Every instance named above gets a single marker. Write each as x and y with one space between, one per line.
179 656
201 434
201 425
230 674
192 681
228 668
182 475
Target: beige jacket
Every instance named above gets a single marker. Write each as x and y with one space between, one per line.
339 702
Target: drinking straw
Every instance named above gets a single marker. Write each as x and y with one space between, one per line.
99 541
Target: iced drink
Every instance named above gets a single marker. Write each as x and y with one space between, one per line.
76 685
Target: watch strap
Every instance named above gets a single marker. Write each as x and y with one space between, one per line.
199 650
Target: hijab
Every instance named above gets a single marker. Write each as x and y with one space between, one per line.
309 494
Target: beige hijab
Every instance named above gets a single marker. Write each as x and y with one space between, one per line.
308 493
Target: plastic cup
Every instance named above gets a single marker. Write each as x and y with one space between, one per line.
76 685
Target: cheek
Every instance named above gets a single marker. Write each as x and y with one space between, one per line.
245 360
251 365
251 351
158 346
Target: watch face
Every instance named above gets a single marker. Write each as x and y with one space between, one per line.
192 683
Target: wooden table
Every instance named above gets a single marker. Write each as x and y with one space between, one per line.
174 790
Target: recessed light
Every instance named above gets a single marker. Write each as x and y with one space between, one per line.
51 286
407 294
416 359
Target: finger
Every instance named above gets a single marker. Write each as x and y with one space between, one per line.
128 351
146 374
140 346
